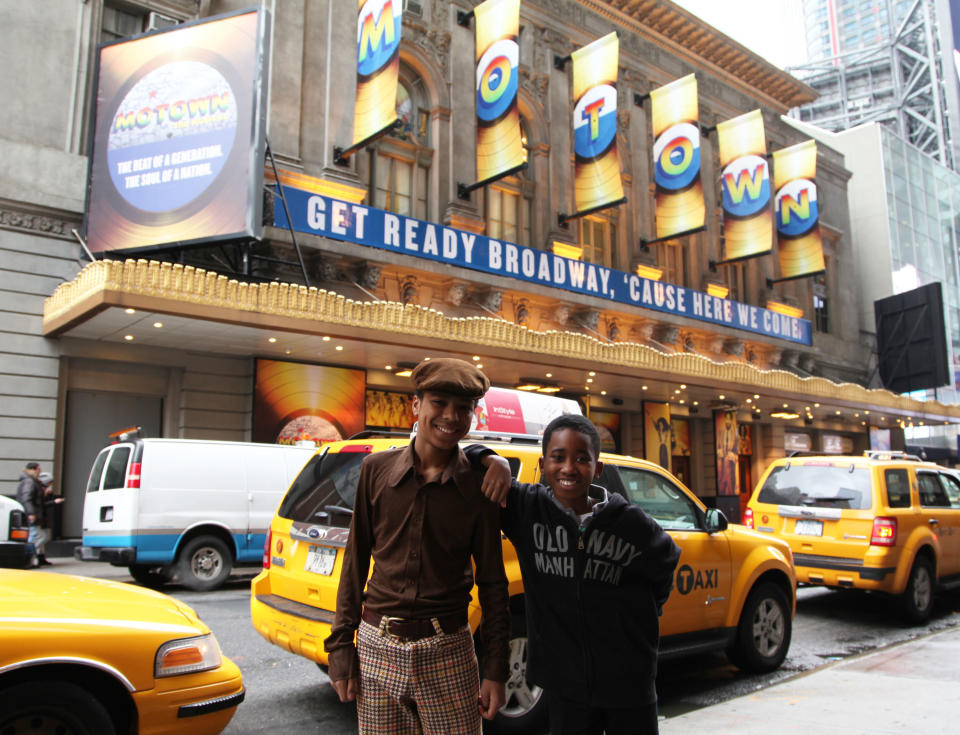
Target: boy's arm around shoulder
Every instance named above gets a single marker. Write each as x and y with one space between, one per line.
340 645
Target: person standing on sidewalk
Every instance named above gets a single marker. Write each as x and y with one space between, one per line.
30 496
420 515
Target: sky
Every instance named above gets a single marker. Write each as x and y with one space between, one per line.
771 28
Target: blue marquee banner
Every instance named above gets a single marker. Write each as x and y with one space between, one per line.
339 220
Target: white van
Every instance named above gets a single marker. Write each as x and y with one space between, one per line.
184 508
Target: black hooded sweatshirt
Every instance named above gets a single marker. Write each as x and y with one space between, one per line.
593 593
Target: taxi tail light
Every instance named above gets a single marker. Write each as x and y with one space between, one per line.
748 517
266 549
133 476
884 531
187 655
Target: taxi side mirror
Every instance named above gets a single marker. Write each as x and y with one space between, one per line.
715 520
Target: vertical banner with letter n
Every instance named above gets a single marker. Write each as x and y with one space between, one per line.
797 211
675 116
745 187
597 178
499 143
379 23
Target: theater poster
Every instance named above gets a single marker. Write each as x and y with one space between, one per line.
597 181
745 187
608 426
657 433
389 410
675 116
797 211
379 23
727 440
178 135
499 142
296 402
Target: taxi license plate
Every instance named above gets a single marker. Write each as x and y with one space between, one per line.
807 527
320 560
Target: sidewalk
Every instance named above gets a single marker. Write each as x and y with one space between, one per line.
910 687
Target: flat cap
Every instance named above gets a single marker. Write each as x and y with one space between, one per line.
448 375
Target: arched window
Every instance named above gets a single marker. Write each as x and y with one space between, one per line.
399 163
508 202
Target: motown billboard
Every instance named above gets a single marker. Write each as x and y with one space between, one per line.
178 139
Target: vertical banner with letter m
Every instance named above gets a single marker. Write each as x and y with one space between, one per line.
499 143
745 187
597 178
379 23
797 211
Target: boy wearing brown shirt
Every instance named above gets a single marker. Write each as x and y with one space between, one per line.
420 515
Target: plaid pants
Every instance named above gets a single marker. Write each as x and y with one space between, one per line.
428 687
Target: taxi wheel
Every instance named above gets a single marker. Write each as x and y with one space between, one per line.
525 708
917 598
52 708
204 563
763 635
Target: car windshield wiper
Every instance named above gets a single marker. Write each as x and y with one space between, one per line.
813 500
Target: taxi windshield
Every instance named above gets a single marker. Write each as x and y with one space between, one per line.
820 486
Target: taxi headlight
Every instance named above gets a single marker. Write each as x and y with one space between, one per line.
187 655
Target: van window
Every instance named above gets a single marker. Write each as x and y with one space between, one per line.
932 494
818 485
665 502
116 473
898 488
324 490
93 484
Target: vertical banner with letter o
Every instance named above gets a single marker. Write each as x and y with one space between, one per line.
797 211
597 177
379 23
745 187
499 143
675 116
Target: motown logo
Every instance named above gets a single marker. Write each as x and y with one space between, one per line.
595 122
796 207
378 34
497 80
171 135
676 155
746 186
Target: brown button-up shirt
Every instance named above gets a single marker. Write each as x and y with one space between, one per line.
421 536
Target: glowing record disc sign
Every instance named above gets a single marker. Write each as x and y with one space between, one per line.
178 143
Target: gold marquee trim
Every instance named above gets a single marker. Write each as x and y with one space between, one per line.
201 288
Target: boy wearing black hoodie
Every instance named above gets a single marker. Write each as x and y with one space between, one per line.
596 573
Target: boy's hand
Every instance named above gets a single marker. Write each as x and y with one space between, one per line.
346 689
496 480
492 697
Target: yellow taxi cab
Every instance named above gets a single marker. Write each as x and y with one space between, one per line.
734 589
885 522
81 656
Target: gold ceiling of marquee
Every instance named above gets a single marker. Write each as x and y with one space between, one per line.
205 295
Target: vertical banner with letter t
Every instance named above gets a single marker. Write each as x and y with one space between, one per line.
745 187
797 211
675 116
597 179
499 143
379 23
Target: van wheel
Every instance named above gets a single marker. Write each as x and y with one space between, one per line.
150 575
763 635
917 599
525 708
52 707
204 563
